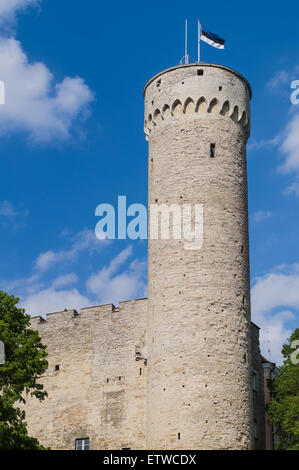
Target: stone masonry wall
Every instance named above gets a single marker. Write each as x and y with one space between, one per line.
199 378
173 372
102 343
100 389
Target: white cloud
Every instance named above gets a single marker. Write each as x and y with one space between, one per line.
113 283
275 298
84 240
281 77
263 143
288 139
290 146
111 286
65 280
35 103
9 8
259 216
53 300
292 189
9 214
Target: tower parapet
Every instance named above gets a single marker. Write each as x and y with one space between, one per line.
202 88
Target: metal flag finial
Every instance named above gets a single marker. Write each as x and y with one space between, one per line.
185 58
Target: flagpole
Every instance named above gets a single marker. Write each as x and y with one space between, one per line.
186 42
198 41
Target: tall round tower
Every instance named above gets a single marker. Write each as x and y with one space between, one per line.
197 122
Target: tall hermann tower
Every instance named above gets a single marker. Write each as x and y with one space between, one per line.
197 122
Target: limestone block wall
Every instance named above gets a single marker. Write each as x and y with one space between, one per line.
199 379
86 397
99 390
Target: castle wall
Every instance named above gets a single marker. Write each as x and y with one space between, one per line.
102 343
199 378
100 389
174 371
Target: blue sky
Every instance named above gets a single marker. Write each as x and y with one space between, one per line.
71 137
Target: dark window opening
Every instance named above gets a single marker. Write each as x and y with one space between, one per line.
107 381
140 371
212 150
179 436
220 88
119 378
82 444
57 367
200 72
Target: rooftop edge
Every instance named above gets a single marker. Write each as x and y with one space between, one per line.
199 64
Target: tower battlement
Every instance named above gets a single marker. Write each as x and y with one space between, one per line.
69 315
197 88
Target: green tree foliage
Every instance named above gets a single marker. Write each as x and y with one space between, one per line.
25 362
284 406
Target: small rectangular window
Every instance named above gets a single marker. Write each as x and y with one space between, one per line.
57 367
212 150
82 444
179 436
200 72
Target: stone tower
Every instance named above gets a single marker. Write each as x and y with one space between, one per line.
197 122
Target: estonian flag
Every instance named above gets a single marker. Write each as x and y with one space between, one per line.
212 39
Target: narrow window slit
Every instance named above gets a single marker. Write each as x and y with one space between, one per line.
212 150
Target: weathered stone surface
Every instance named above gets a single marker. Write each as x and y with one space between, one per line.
199 379
100 389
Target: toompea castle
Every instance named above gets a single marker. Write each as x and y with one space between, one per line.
181 369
